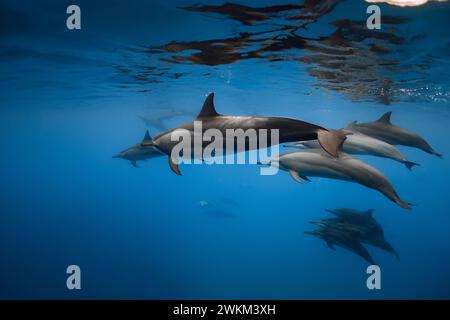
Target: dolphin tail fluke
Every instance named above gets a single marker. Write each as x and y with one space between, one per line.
331 141
410 164
174 166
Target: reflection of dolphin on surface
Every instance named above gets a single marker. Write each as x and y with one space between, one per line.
358 143
363 223
315 163
289 130
383 129
139 152
346 240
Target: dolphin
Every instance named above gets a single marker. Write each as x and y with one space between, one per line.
314 162
290 130
365 234
344 240
138 152
375 235
358 143
383 129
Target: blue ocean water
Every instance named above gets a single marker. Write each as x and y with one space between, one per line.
71 99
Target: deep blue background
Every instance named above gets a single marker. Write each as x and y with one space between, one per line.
141 233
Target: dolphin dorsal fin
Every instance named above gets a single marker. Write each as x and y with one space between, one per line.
370 212
147 137
208 109
385 118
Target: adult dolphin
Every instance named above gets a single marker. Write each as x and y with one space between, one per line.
138 152
358 143
364 233
289 130
383 129
315 163
344 240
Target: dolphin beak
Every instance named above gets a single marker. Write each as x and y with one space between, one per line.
116 156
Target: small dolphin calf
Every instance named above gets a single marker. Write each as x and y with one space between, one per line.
358 143
342 239
316 163
383 129
138 152
289 130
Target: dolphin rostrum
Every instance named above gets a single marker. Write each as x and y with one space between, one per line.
358 143
346 240
383 129
290 130
138 152
314 162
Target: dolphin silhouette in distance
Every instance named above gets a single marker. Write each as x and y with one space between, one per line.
383 129
289 130
346 240
138 152
358 143
369 231
315 163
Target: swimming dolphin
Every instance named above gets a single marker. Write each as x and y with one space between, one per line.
138 152
344 240
383 129
289 130
363 225
358 143
314 162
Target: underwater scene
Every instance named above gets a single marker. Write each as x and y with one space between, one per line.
354 96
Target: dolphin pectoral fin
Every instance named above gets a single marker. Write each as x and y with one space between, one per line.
174 166
331 141
362 252
410 164
385 118
305 178
298 177
134 163
330 245
370 212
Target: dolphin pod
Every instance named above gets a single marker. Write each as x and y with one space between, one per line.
349 229
323 156
315 163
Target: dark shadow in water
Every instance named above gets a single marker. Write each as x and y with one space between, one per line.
352 59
